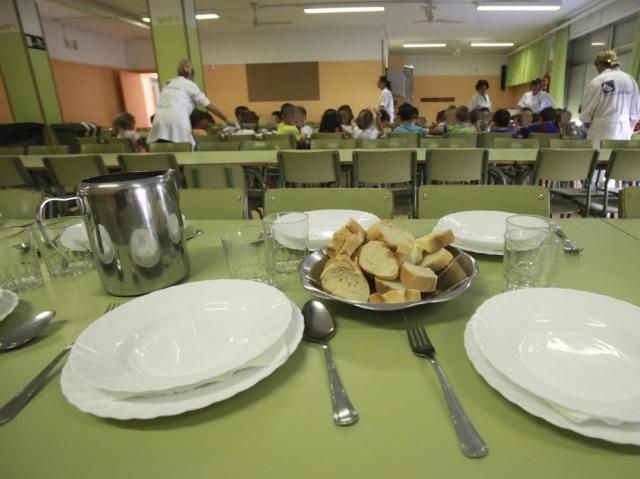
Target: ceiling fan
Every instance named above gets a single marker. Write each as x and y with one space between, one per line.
428 12
258 23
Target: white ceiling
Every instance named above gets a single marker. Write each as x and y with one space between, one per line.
397 20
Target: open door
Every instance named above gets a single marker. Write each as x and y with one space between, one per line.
139 96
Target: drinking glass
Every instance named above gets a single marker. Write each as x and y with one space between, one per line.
286 240
19 265
245 252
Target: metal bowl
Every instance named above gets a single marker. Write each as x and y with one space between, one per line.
312 266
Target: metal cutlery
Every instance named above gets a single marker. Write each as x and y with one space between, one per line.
470 442
567 245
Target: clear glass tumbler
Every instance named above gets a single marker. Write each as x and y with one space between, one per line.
286 237
19 265
245 253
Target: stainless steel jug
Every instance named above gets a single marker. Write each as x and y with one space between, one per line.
135 229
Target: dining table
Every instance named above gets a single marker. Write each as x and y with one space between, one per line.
282 427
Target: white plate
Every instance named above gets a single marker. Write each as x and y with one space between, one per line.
8 302
180 336
100 403
626 433
478 231
576 349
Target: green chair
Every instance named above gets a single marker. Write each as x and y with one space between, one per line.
378 201
569 143
620 144
309 167
11 150
150 161
48 150
630 202
333 144
544 138
456 165
436 201
212 204
13 173
471 139
240 138
486 140
207 139
214 176
442 142
129 147
19 204
67 172
623 165
412 140
88 140
218 146
321 135
105 133
98 148
167 147
280 138
566 165
516 143
392 143
283 144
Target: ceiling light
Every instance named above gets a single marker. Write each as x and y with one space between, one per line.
207 16
504 44
598 44
518 6
424 45
343 9
146 19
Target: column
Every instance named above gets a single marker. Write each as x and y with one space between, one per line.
24 64
175 36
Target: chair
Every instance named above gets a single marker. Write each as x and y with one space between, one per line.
282 144
206 139
13 173
218 146
333 144
105 133
19 204
630 202
436 201
214 176
516 143
619 144
396 143
167 147
321 135
150 161
98 148
456 165
239 138
412 139
87 140
279 138
309 167
544 138
212 204
442 142
48 150
471 139
67 172
568 165
569 143
486 140
623 165
378 201
11 150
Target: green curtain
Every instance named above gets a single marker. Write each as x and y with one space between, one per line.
559 73
634 69
527 64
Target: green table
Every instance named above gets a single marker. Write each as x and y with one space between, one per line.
629 226
282 427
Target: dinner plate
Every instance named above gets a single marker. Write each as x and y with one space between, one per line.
626 433
101 403
477 231
576 349
8 302
180 336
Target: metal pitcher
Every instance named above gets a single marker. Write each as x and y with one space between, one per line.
135 229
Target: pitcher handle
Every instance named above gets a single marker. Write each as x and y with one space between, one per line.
41 216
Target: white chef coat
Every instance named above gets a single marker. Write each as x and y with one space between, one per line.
479 101
610 102
537 102
177 100
386 102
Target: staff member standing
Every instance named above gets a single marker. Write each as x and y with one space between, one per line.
480 99
386 97
536 99
178 99
611 104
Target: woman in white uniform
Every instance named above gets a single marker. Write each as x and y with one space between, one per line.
386 97
480 99
536 99
178 99
611 104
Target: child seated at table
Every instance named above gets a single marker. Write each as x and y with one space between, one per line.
301 122
546 124
124 126
448 120
201 123
288 125
408 115
367 125
502 122
347 118
331 122
248 123
463 122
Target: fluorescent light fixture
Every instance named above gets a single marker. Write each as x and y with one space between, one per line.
598 44
504 44
518 6
207 16
343 9
424 45
146 19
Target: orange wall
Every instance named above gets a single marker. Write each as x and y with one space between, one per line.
88 92
351 82
5 108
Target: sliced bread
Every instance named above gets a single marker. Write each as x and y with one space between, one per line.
438 260
337 241
352 243
343 278
383 285
389 234
355 227
418 277
378 260
410 251
396 296
436 240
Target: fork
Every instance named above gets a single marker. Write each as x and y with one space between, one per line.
469 440
15 405
567 246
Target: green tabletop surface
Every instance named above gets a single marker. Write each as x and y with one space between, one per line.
630 226
282 427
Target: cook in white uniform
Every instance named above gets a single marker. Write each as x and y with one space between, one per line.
611 104
386 97
536 99
480 99
178 99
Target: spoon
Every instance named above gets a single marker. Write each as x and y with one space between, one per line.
26 331
195 234
319 327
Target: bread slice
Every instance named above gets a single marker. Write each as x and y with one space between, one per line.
377 259
436 240
389 234
438 260
382 285
409 251
353 242
396 296
337 241
355 227
417 277
343 278
451 276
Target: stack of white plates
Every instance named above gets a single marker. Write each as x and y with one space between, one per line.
180 349
569 357
477 231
